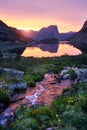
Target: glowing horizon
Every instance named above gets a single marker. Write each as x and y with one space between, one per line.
68 15
25 25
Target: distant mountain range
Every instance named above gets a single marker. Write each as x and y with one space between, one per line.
48 34
65 36
45 35
15 41
79 39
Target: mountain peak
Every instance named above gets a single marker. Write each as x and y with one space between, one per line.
48 32
2 24
3 27
49 27
85 24
84 28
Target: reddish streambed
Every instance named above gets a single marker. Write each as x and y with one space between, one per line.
44 92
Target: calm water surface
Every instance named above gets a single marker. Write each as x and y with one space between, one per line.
51 50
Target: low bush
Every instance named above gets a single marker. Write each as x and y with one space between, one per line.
72 73
12 80
32 78
4 95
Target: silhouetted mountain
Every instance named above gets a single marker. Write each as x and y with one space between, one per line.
10 33
65 36
11 39
84 28
79 39
48 34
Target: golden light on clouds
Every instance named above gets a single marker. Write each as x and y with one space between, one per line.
68 15
34 24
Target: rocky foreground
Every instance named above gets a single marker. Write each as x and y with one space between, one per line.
44 92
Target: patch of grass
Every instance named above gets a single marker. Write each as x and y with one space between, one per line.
4 95
72 74
32 78
11 80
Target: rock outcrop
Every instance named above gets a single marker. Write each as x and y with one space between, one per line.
13 73
73 73
13 79
79 39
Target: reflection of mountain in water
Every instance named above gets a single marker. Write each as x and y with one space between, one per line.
52 48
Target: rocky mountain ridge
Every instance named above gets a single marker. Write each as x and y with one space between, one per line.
65 36
45 34
10 33
79 39
12 40
48 34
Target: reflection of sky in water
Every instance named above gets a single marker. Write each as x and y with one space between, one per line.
45 51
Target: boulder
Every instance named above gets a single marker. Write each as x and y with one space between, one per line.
14 73
66 76
17 86
21 86
81 74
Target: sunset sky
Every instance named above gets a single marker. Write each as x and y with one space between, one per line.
33 14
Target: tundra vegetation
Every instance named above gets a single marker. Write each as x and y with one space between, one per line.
67 112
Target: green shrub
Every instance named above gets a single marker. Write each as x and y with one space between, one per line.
12 80
32 78
55 68
4 95
31 83
1 128
72 73
17 57
25 124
